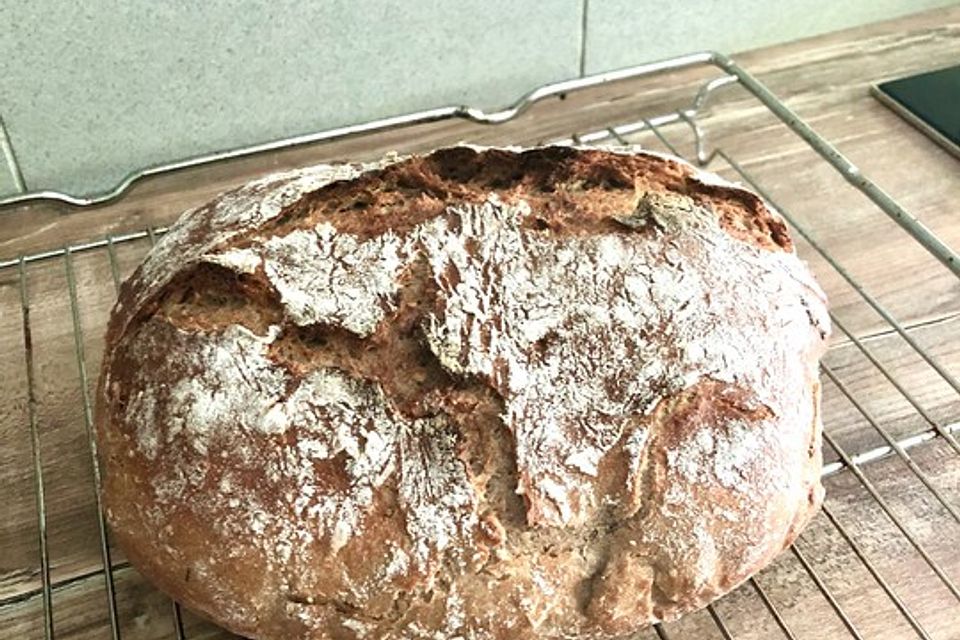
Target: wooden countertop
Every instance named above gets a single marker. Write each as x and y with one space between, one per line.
825 80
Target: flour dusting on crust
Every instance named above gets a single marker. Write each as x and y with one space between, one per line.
200 230
330 278
564 326
592 342
227 391
222 383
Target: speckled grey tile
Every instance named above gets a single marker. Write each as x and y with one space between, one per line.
93 90
621 33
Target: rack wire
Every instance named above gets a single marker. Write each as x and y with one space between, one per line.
813 583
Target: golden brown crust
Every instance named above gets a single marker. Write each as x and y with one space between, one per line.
486 393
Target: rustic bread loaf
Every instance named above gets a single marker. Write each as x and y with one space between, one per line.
556 393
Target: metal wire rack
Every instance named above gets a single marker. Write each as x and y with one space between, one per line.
881 561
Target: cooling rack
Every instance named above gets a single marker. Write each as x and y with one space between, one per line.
882 559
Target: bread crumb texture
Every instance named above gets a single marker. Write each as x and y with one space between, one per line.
479 394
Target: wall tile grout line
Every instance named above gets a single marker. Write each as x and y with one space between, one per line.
584 12
6 148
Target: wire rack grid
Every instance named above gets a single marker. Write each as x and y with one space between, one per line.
880 561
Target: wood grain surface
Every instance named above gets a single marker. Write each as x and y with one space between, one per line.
825 80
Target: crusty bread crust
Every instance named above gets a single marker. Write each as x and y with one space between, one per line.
483 393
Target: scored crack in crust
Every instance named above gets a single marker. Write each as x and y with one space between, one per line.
484 393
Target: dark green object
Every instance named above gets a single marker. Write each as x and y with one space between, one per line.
929 101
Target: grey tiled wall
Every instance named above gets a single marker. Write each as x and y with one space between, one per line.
90 91
619 32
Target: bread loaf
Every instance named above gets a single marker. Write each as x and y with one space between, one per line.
479 394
